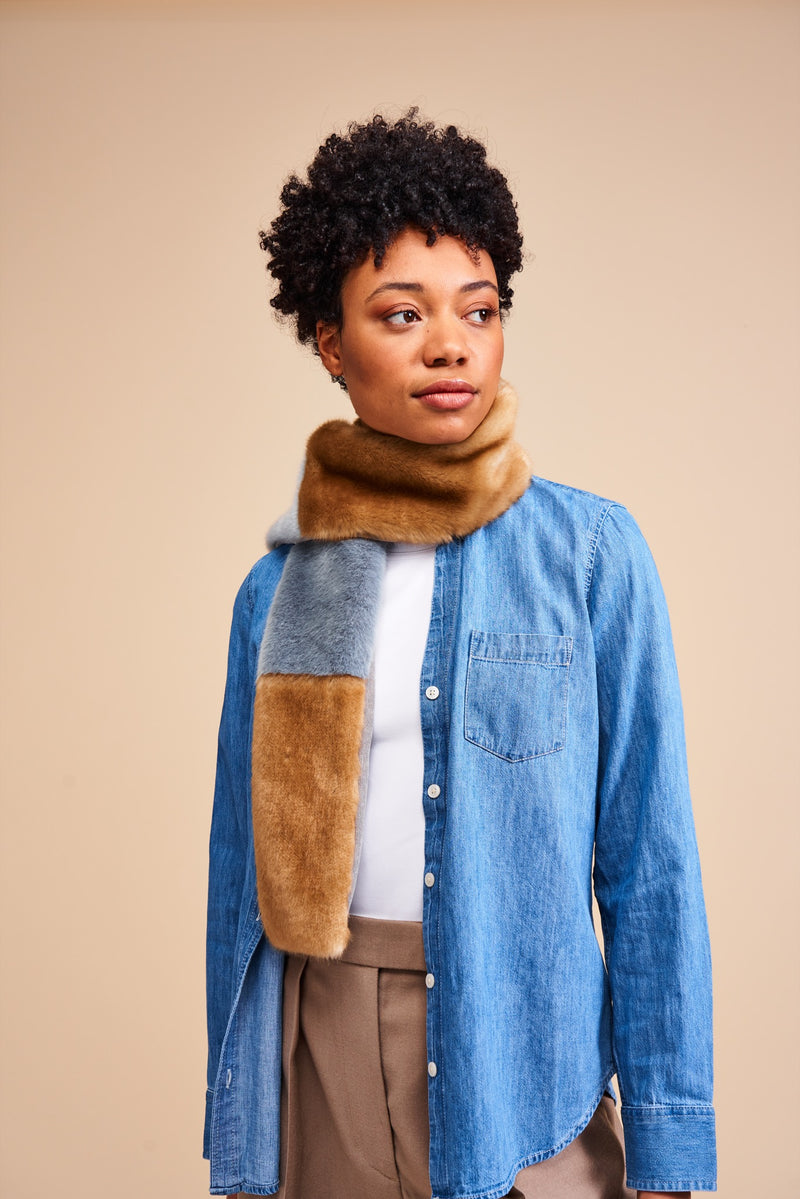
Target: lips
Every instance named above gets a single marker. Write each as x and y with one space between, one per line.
446 394
444 385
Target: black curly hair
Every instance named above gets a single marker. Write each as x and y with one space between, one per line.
365 188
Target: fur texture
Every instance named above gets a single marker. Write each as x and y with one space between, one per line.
359 483
322 619
306 742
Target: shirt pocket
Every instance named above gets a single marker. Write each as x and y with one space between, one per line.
516 694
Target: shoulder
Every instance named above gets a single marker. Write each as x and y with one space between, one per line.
266 571
575 503
548 501
600 513
600 531
548 507
258 587
619 576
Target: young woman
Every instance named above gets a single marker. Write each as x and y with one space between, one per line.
452 706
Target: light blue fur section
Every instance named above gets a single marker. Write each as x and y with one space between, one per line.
322 618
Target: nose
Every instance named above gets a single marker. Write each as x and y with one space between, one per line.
445 342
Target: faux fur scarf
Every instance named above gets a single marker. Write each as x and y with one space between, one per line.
312 718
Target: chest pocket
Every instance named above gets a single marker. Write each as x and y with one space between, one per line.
516 697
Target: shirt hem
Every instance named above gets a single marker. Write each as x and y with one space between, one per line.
500 1190
249 1188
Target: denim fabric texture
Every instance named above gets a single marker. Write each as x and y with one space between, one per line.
553 748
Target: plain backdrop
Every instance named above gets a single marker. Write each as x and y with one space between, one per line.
154 416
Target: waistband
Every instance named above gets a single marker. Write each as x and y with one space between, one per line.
387 944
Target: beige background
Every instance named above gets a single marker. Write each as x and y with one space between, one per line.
154 416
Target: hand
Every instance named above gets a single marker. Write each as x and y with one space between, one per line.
664 1194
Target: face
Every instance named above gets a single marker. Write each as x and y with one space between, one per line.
420 344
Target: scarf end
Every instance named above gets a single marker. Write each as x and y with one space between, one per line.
305 795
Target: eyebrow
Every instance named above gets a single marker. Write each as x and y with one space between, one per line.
478 285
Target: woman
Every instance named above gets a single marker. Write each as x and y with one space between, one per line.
451 688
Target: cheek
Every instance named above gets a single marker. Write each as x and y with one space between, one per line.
367 362
499 348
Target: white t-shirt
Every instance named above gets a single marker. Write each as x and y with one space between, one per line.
389 883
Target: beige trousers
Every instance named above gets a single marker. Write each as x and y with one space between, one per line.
354 1096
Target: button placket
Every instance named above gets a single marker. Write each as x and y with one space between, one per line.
435 717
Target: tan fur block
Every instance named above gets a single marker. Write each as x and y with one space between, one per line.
305 789
360 483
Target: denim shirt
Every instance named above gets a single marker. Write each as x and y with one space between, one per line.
554 758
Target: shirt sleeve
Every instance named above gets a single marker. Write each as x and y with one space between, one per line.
647 874
228 841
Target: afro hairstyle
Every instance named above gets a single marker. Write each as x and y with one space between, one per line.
362 190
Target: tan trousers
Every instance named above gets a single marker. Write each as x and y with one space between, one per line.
354 1097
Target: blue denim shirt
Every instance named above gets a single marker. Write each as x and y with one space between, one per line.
556 747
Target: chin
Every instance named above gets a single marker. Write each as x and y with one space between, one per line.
452 438
446 430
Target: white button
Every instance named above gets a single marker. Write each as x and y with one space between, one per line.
434 791
429 879
228 1078
432 1069
432 692
429 981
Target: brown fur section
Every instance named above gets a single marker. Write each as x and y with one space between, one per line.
359 483
306 741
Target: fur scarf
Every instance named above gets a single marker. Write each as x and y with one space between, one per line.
312 717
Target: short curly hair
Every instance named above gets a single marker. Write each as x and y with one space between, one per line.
365 188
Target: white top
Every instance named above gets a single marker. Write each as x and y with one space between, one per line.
390 871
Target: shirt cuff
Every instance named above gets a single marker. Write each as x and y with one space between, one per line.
670 1148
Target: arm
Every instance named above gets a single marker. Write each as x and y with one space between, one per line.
647 875
228 842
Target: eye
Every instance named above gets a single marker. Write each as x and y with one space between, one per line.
481 316
406 316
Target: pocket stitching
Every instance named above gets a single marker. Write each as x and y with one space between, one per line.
562 641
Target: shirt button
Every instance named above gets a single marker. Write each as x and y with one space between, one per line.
432 1069
429 981
434 791
432 692
429 879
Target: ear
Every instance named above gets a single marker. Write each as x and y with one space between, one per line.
329 344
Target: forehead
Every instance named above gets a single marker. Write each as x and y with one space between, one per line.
448 264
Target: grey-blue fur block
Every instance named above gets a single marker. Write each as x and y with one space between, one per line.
322 618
